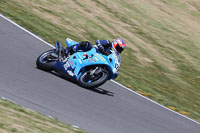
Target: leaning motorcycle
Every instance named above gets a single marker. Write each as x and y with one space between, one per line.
89 69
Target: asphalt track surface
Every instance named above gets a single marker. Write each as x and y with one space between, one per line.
108 109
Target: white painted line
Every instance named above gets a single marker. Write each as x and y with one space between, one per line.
4 98
75 127
51 117
111 80
27 31
154 101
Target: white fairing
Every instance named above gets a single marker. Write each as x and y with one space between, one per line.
117 58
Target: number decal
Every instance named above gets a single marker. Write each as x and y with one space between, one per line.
117 66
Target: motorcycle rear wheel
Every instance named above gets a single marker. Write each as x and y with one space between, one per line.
96 81
46 61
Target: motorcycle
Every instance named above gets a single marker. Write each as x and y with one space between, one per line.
89 69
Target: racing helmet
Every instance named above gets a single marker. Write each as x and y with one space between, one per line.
118 44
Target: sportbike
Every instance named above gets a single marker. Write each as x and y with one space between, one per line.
89 69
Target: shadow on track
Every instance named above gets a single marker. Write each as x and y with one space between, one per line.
96 90
102 91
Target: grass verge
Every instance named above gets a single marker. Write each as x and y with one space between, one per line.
17 119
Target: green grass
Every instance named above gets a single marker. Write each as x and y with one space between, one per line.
162 58
14 118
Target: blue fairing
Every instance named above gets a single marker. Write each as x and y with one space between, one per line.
75 65
70 42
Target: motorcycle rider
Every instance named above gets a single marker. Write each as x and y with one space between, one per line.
104 46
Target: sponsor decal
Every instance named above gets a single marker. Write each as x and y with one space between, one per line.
70 73
89 61
66 65
80 61
99 56
71 62
96 59
93 60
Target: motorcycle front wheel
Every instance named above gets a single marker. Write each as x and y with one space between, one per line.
91 81
47 60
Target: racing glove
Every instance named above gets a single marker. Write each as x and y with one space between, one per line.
101 48
109 43
74 48
66 51
71 50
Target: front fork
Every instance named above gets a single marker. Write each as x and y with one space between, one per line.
58 50
96 71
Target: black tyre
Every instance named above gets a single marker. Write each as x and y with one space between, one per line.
87 81
47 60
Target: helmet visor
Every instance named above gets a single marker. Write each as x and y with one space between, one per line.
118 48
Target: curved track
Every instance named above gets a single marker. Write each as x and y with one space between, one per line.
108 109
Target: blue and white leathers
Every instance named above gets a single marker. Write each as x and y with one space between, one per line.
74 66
